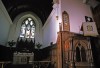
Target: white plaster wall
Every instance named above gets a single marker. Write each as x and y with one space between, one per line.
51 28
5 23
77 11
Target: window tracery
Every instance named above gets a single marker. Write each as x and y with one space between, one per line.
27 28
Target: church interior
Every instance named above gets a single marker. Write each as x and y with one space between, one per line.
49 34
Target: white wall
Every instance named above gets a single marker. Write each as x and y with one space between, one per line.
51 28
5 23
77 11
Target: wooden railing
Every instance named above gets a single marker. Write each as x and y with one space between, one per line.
41 64
35 64
4 62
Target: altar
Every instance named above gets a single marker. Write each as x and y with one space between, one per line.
23 58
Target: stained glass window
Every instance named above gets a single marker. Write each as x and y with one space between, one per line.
28 28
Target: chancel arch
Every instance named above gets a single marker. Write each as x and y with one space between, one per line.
14 32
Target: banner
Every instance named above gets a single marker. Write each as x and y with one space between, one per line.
88 19
89 29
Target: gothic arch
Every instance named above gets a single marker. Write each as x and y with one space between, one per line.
80 52
65 20
15 27
64 12
81 42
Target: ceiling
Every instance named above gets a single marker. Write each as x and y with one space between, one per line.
41 8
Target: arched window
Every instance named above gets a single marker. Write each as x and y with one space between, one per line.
27 28
65 19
